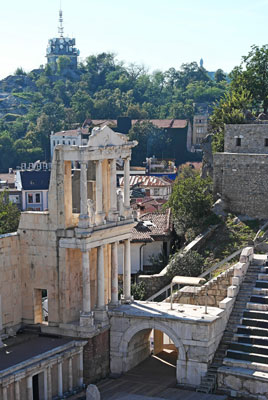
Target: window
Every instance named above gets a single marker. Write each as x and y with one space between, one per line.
238 141
265 142
200 130
30 198
37 198
54 142
69 142
74 142
156 192
58 142
63 142
34 198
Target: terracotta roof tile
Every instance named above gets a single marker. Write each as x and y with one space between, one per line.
147 181
152 226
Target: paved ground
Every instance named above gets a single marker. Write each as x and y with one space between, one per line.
155 379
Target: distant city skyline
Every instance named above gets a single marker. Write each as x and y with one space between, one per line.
153 33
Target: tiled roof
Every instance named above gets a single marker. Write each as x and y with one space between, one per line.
8 177
148 205
165 123
152 226
146 181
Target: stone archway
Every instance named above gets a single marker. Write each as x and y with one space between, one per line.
124 358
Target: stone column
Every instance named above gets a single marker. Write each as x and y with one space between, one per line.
83 217
100 280
70 374
45 385
49 384
99 200
126 183
17 390
81 369
60 389
113 213
29 388
114 274
5 393
1 323
86 315
127 272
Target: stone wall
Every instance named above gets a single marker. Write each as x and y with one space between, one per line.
97 357
252 138
10 281
217 291
241 179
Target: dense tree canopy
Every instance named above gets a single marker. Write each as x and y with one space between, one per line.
9 215
101 88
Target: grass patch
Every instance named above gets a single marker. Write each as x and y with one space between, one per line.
230 236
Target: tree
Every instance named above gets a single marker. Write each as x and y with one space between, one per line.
190 202
219 76
189 264
9 215
252 76
20 71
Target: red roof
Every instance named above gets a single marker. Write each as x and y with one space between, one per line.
152 226
147 181
165 123
72 132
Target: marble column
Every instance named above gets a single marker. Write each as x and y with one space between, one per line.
86 282
29 388
86 316
127 272
114 274
126 183
45 385
5 393
99 200
60 386
83 217
70 374
113 214
49 384
1 323
17 390
100 278
81 369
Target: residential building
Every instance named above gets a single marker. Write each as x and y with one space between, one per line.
154 187
72 137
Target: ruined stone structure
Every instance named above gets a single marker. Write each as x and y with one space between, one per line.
72 258
240 173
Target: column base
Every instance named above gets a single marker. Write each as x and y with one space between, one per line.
113 215
99 218
126 299
101 315
128 212
87 319
83 221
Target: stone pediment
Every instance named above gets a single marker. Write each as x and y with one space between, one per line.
102 137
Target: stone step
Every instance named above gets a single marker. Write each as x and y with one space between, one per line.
255 314
259 299
262 277
259 323
249 348
232 362
252 330
256 306
251 339
252 357
262 283
260 291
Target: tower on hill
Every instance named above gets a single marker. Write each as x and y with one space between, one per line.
61 46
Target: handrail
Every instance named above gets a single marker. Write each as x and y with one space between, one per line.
205 273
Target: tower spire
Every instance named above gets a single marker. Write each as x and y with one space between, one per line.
60 28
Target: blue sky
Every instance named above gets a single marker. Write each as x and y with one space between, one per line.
159 34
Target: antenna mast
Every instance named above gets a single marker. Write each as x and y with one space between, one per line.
60 28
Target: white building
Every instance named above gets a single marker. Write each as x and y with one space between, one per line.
155 187
74 137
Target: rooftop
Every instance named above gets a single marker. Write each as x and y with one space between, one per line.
152 226
147 181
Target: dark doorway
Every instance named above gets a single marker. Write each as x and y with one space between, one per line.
35 388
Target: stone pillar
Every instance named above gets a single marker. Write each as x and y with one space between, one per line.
114 274
60 389
1 323
45 385
5 393
100 280
126 184
158 341
113 213
29 388
99 200
17 390
81 369
70 374
83 217
127 272
86 315
49 384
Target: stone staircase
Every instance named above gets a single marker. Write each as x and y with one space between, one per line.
230 339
